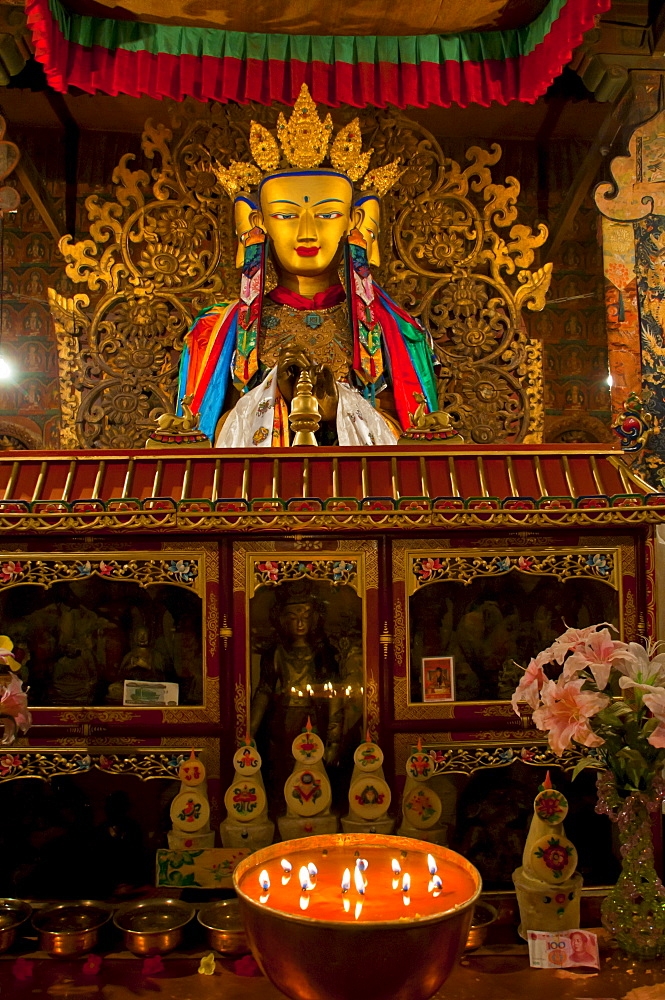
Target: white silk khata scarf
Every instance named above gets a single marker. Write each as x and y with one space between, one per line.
260 419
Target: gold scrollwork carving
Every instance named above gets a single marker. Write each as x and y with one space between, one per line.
163 248
399 631
144 766
212 622
69 321
372 704
240 709
465 568
47 570
454 270
273 572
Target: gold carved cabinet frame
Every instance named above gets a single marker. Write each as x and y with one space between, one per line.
162 248
415 567
267 564
192 570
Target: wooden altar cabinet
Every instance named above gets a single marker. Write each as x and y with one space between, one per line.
422 539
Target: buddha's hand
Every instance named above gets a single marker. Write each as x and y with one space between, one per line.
324 388
292 360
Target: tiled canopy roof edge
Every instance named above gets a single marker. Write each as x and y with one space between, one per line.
301 489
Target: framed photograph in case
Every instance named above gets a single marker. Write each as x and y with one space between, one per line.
438 678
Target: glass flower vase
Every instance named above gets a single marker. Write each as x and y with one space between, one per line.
634 910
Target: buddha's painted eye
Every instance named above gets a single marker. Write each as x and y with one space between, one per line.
372 233
328 215
284 215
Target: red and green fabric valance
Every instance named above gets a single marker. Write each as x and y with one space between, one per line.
103 55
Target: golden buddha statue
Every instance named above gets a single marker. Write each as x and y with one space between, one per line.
326 350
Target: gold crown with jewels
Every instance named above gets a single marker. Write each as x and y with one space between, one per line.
304 141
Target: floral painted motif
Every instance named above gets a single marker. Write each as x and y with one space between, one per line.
335 571
421 804
555 856
370 797
244 800
190 813
563 566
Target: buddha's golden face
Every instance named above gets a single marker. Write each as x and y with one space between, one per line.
306 216
369 227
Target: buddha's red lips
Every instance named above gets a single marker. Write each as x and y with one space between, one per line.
307 251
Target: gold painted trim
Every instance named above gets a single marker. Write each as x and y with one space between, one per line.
540 478
363 477
215 480
245 480
128 480
628 476
393 478
596 476
514 489
335 477
305 478
70 481
568 475
159 475
453 476
186 480
275 479
99 479
39 485
483 478
11 485
424 481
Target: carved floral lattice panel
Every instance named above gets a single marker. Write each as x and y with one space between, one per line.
454 254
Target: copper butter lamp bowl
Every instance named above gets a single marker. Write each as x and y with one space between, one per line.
405 957
153 926
69 929
13 914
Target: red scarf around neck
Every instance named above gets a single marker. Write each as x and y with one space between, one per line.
322 300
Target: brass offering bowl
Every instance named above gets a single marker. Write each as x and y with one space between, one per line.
407 958
223 926
69 929
484 914
153 926
13 913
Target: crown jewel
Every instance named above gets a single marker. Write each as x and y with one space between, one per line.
304 140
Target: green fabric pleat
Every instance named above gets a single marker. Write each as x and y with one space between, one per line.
421 355
475 46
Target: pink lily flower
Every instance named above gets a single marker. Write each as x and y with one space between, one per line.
566 710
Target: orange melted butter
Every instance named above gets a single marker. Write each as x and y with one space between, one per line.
383 898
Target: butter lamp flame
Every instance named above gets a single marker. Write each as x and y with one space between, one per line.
346 880
397 868
286 865
359 880
406 882
361 864
431 864
312 870
305 882
264 880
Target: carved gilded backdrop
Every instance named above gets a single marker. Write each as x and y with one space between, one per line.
164 249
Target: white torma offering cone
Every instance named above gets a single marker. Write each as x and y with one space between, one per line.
548 887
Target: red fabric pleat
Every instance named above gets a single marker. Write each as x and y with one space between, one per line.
120 71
